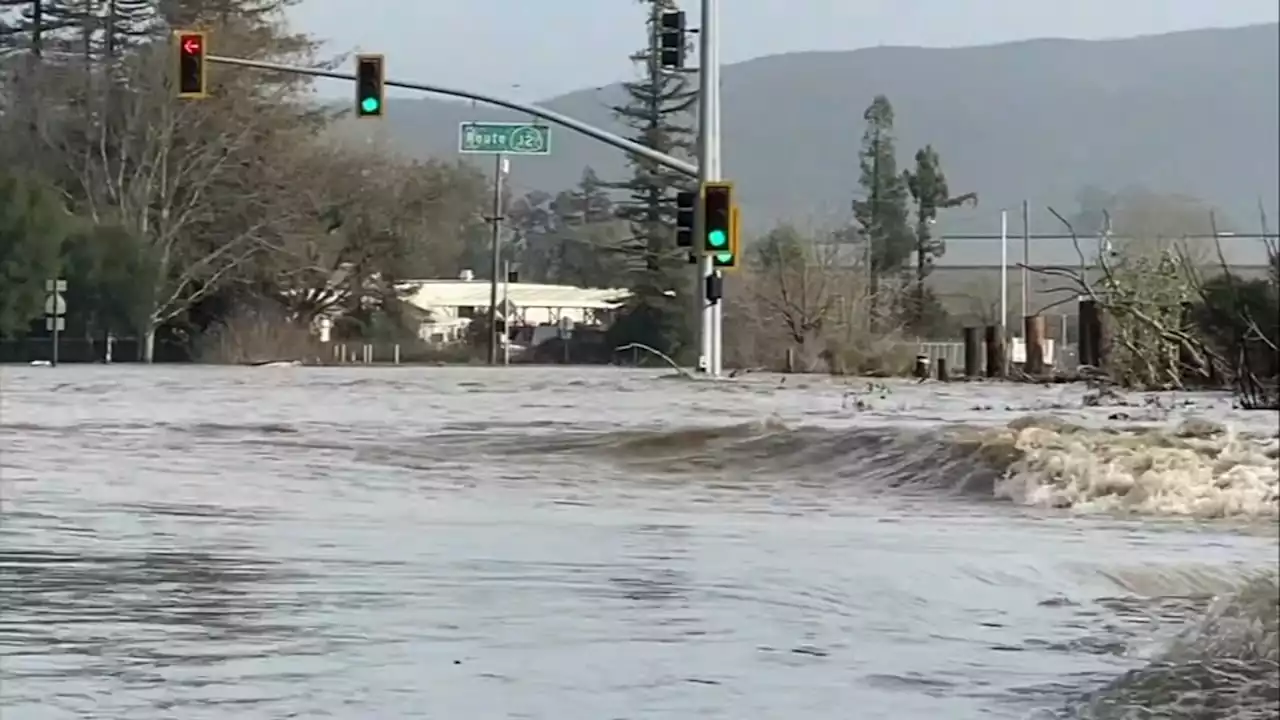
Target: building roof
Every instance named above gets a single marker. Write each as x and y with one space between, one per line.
475 293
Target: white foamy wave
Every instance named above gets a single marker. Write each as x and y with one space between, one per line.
1196 470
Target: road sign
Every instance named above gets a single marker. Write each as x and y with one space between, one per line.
55 304
55 324
501 137
55 286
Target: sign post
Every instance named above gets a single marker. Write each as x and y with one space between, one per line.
501 139
55 309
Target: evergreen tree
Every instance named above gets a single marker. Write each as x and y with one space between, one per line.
33 224
658 111
882 216
587 218
928 187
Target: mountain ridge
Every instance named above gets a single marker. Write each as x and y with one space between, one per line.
1194 112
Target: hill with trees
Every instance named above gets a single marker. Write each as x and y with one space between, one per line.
1193 113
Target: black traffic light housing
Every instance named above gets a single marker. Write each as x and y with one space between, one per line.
713 287
671 45
686 218
370 93
717 217
192 82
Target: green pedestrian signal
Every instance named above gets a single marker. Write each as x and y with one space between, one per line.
370 76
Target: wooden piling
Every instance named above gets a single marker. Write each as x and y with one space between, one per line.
972 353
1033 331
995 351
1087 339
922 367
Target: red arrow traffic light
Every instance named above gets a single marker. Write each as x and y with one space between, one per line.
191 77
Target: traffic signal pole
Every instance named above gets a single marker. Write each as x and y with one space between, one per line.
709 169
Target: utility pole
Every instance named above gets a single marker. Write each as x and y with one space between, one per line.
1004 276
1026 261
709 168
506 312
499 171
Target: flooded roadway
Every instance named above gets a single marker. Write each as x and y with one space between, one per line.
597 544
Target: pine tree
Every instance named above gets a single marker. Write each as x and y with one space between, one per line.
658 111
882 216
928 187
587 217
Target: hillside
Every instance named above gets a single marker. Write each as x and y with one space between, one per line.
1194 112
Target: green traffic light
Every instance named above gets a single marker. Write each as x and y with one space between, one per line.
369 104
717 238
724 258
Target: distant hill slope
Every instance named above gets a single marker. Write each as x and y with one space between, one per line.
1193 112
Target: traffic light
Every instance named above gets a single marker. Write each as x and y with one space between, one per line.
729 259
191 79
671 30
686 218
370 75
717 220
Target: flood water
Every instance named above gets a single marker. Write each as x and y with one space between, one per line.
602 544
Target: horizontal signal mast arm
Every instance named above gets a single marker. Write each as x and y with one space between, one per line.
591 131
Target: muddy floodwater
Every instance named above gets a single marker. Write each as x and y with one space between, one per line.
604 544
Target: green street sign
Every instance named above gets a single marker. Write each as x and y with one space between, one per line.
507 138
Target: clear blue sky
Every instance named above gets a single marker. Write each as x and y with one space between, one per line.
535 50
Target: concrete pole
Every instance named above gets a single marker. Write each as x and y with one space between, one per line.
709 164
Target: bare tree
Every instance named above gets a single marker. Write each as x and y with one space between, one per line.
795 287
1143 282
182 177
364 222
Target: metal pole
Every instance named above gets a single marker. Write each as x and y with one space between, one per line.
499 165
57 321
708 167
711 77
506 310
1004 275
1026 261
590 131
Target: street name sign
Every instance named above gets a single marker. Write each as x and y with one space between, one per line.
506 138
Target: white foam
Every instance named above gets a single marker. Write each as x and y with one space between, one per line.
1203 474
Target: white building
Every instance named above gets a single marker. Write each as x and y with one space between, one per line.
449 305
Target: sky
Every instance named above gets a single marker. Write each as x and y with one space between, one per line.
536 50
